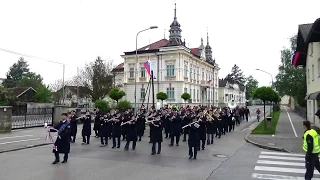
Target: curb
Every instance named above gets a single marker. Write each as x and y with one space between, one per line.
264 146
25 147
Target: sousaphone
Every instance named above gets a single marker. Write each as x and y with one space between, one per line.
232 104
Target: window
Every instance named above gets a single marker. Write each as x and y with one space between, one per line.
185 70
319 67
143 72
194 94
312 72
170 93
198 74
185 90
190 73
202 76
170 70
131 72
190 92
198 95
142 93
308 76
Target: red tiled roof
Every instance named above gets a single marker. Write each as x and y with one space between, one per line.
119 67
155 45
195 51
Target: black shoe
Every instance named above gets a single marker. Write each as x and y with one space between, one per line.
55 162
195 158
177 144
158 152
113 147
211 142
184 140
64 161
153 153
203 148
118 147
126 149
139 139
170 144
190 157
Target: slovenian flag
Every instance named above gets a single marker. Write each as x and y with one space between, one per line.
295 58
147 67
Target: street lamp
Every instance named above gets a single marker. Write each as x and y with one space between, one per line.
135 71
271 81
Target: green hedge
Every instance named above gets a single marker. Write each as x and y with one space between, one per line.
260 128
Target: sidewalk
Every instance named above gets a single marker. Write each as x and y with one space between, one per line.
287 137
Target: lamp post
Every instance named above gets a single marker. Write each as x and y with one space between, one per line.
135 70
271 82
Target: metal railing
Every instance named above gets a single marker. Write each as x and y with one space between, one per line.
301 111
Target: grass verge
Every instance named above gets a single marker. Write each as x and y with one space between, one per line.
260 128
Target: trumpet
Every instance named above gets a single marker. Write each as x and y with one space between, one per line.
127 122
190 124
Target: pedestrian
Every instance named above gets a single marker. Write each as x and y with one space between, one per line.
247 113
62 144
156 135
312 149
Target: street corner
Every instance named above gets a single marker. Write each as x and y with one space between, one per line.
267 142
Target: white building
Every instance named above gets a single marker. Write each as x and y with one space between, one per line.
74 95
118 75
229 91
308 55
177 69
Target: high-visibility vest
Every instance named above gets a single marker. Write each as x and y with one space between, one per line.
314 135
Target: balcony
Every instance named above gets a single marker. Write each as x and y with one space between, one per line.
170 78
142 79
130 80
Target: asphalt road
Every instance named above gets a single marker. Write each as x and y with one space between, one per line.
222 160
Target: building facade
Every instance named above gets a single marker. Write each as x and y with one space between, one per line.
307 55
229 91
177 69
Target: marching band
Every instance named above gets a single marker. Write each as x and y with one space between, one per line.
199 123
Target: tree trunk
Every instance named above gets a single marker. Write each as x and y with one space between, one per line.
264 115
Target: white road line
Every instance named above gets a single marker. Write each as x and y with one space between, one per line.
284 163
277 177
280 169
10 137
294 130
282 154
25 140
281 158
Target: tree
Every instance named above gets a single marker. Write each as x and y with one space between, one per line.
236 75
251 85
16 72
6 97
116 94
102 105
291 81
265 94
162 96
185 96
31 80
124 105
43 95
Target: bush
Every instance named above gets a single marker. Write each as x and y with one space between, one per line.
124 105
102 105
260 129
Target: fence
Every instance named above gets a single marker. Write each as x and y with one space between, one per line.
301 111
23 117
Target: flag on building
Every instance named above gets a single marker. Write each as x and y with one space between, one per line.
147 67
295 58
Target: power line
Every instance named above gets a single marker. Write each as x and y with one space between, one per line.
30 56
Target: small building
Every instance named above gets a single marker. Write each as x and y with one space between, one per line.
74 96
229 91
24 94
118 75
308 55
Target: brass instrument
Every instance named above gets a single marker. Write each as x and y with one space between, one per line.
191 124
123 123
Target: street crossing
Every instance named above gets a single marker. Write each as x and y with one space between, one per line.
281 166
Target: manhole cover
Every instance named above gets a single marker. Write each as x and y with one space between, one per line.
271 144
220 155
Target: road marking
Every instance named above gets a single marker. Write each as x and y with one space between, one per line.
294 130
277 177
10 137
282 154
280 169
282 158
25 140
284 163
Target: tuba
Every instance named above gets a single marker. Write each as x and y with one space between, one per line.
232 104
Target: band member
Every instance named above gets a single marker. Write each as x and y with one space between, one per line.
193 139
86 128
210 125
156 135
175 127
237 116
141 120
124 128
233 119
73 125
116 131
186 120
62 144
131 134
202 130
219 123
166 122
103 131
247 113
97 123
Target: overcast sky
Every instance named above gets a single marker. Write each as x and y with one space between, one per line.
249 33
